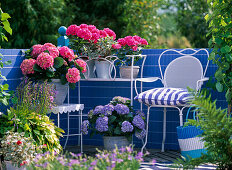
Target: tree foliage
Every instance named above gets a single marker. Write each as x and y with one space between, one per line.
190 21
220 25
35 21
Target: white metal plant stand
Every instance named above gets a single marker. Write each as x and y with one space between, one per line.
68 108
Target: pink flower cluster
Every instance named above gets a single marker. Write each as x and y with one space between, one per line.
82 64
66 52
44 60
89 32
27 66
37 49
131 41
73 75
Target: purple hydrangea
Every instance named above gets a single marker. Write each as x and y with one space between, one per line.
141 134
84 127
102 124
139 112
108 109
127 127
121 109
138 122
98 110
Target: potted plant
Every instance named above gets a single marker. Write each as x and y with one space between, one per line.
94 45
129 45
116 121
17 150
59 65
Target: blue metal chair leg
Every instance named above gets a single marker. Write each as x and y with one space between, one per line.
145 143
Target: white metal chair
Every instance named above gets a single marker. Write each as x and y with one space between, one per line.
182 72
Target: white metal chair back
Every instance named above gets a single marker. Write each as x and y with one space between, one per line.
184 71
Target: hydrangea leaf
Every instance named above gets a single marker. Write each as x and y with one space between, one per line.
58 62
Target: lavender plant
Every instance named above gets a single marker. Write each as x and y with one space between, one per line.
115 119
123 158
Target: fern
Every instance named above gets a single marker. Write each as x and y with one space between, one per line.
216 124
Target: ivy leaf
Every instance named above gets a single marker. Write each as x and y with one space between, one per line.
225 49
219 87
218 40
58 62
212 56
228 96
219 75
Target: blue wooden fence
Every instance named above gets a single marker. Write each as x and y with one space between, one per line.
100 93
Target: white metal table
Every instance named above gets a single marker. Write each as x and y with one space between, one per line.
67 108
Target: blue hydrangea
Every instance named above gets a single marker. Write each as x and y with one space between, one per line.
102 124
121 109
120 99
98 110
108 109
127 127
84 127
141 134
138 122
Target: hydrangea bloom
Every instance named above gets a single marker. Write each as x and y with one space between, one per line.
91 28
46 46
108 109
121 109
138 122
139 112
116 46
90 114
66 52
73 75
102 124
98 110
110 33
53 51
84 127
127 127
84 33
82 64
45 61
27 66
140 135
36 50
72 30
120 99
103 34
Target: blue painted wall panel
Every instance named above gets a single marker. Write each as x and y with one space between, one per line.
100 93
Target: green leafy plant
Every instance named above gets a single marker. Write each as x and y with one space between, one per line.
220 26
4 27
115 119
31 104
123 158
217 132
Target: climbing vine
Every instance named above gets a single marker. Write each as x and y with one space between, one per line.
220 32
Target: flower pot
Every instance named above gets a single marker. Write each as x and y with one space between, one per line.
10 166
61 91
125 72
103 69
90 73
111 141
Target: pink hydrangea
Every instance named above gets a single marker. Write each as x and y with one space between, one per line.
103 34
130 41
116 46
84 33
36 50
27 66
121 41
82 64
95 37
85 26
73 75
91 27
45 60
110 33
46 46
137 38
72 30
134 48
66 52
143 42
53 51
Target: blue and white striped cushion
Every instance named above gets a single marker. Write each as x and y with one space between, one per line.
164 96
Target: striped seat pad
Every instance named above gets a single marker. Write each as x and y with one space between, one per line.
164 96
